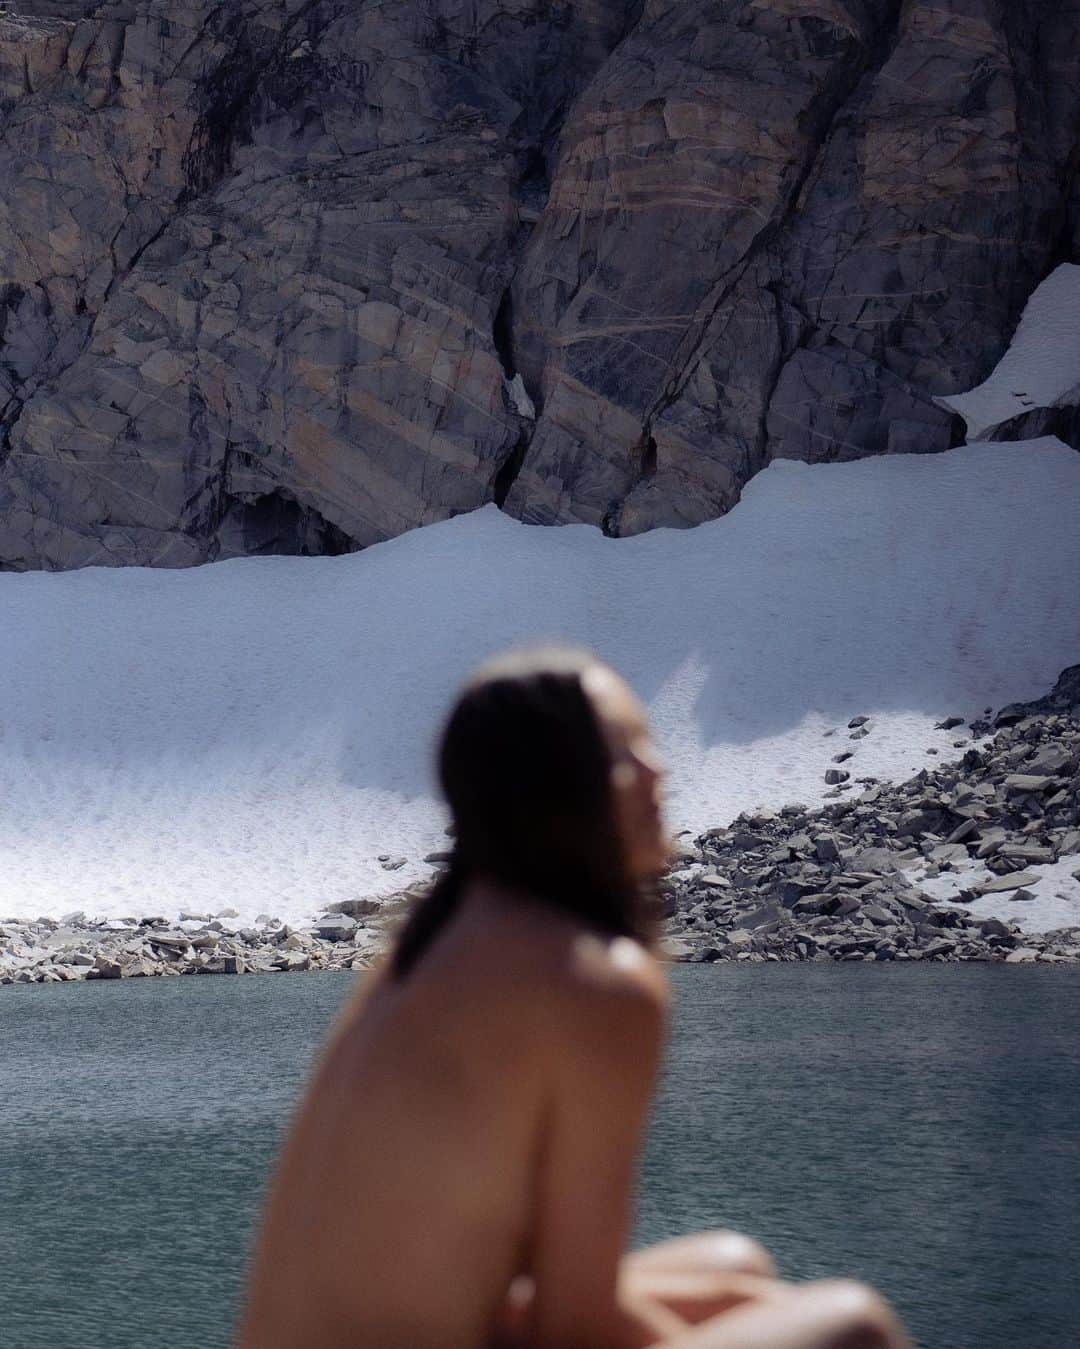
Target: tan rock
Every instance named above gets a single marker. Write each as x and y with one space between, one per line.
290 277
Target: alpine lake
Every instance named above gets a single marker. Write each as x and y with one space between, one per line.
916 1126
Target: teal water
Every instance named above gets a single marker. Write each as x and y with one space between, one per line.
916 1126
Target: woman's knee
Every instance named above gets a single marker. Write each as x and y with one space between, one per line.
713 1252
863 1319
732 1251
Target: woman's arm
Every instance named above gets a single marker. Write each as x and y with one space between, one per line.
607 1042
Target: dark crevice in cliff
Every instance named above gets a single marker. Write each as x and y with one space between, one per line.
502 333
848 82
634 11
276 523
534 184
509 469
647 467
820 120
120 274
11 296
1046 229
226 121
758 455
9 415
1066 247
645 462
533 190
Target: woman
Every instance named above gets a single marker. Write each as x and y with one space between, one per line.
460 1173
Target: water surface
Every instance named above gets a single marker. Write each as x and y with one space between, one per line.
913 1125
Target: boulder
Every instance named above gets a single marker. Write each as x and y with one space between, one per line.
356 908
1012 880
336 927
1030 782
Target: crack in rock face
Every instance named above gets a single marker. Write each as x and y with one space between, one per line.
299 275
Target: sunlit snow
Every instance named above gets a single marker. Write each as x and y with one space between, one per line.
1041 368
1056 892
253 733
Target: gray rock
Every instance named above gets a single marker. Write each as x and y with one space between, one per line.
875 860
948 853
940 946
876 914
1000 885
336 927
320 274
1029 782
816 904
356 908
1052 761
1027 852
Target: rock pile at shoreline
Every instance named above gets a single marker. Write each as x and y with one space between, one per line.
835 883
347 937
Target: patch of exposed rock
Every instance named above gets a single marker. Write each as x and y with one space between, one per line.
346 937
834 883
295 276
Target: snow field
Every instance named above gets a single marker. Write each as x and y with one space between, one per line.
254 733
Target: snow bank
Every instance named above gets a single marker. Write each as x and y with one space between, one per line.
254 733
1041 369
1056 903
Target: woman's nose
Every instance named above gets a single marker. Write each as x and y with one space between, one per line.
652 768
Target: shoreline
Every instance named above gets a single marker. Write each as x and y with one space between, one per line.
892 874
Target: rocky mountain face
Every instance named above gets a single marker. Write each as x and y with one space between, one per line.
298 275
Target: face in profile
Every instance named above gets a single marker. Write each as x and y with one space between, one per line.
637 772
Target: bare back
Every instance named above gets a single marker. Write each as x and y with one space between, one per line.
446 1110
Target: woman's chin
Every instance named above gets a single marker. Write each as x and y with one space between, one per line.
650 863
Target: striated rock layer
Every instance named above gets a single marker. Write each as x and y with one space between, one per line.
298 275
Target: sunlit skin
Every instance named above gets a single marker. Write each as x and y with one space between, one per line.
637 772
460 1172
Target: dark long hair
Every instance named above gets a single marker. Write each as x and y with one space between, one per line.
526 771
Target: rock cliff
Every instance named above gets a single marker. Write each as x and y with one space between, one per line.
298 275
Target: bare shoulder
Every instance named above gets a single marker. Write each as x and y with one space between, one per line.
612 1002
585 964
574 981
616 970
